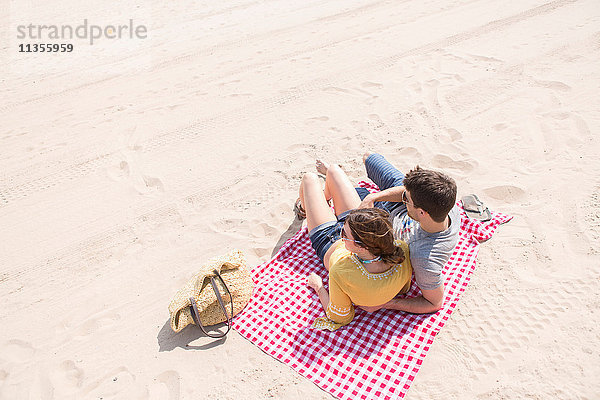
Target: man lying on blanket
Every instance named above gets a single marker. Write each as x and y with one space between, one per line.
422 205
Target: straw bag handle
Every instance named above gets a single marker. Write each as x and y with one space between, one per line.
196 314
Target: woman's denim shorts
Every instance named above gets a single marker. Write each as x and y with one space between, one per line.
326 234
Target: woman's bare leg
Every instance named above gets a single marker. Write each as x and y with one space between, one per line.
313 201
339 188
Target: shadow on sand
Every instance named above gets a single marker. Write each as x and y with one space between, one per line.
291 231
169 340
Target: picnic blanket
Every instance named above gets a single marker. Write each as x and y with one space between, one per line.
376 356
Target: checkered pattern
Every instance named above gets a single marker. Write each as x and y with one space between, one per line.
376 356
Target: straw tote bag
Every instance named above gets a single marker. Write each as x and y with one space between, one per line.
218 292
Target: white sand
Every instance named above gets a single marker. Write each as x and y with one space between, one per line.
126 164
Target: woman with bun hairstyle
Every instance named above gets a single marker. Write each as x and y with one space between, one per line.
366 266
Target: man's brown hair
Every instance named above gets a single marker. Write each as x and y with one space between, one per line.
431 191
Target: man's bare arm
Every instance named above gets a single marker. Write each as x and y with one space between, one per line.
390 194
430 302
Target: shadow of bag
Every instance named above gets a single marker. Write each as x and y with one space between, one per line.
218 292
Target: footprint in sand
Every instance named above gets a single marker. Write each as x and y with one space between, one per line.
261 252
65 377
300 147
315 119
445 162
416 86
263 230
408 152
581 125
371 85
453 357
453 136
16 350
72 374
20 378
554 85
230 226
167 386
124 166
119 383
333 89
375 121
144 184
154 183
118 172
432 91
228 83
506 193
369 97
100 321
358 125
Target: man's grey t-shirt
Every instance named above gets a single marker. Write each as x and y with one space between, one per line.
428 251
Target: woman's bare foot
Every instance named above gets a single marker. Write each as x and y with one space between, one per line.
322 167
315 281
299 210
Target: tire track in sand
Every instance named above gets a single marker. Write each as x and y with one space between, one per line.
198 128
203 52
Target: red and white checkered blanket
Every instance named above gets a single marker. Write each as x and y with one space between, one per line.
376 356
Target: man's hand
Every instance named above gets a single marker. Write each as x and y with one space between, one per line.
393 194
367 202
371 309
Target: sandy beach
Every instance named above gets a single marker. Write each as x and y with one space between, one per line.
126 163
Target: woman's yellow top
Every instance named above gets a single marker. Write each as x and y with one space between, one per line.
350 283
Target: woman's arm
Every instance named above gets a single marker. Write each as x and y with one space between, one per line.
337 305
315 282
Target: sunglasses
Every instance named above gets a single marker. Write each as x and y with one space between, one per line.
405 198
346 238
